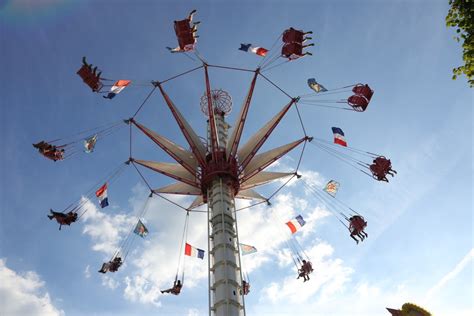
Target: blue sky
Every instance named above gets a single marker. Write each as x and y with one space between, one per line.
420 247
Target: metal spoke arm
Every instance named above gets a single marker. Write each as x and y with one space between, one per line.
250 149
262 161
234 139
211 116
264 177
179 188
250 195
181 155
188 133
171 170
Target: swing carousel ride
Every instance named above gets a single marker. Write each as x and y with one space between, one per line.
219 169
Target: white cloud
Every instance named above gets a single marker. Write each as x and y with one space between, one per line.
154 260
338 295
110 282
193 312
138 289
105 230
312 178
329 275
313 219
24 294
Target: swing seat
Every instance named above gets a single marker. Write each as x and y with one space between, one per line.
67 219
377 171
358 102
292 49
186 42
383 163
293 36
54 155
89 78
364 90
182 27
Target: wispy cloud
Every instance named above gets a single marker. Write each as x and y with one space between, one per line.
451 274
110 282
87 272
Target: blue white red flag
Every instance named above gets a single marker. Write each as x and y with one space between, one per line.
339 136
193 252
260 51
296 223
101 194
117 88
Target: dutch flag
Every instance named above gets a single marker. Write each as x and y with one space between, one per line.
101 194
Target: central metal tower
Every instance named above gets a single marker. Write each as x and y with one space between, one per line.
217 173
225 277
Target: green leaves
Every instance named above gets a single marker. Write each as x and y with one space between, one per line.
461 17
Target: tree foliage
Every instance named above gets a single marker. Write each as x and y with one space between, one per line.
461 17
412 309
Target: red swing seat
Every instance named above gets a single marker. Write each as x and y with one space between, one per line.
89 78
358 102
293 36
292 49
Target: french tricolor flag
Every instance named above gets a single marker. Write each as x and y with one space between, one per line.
193 252
339 136
296 223
101 194
260 51
117 88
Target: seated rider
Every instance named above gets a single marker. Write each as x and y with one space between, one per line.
245 288
115 264
292 35
92 70
294 50
112 266
354 232
176 289
49 151
304 271
307 267
186 32
89 75
62 218
43 147
190 16
378 172
385 165
357 225
56 154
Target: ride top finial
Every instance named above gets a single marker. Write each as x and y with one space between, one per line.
221 102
